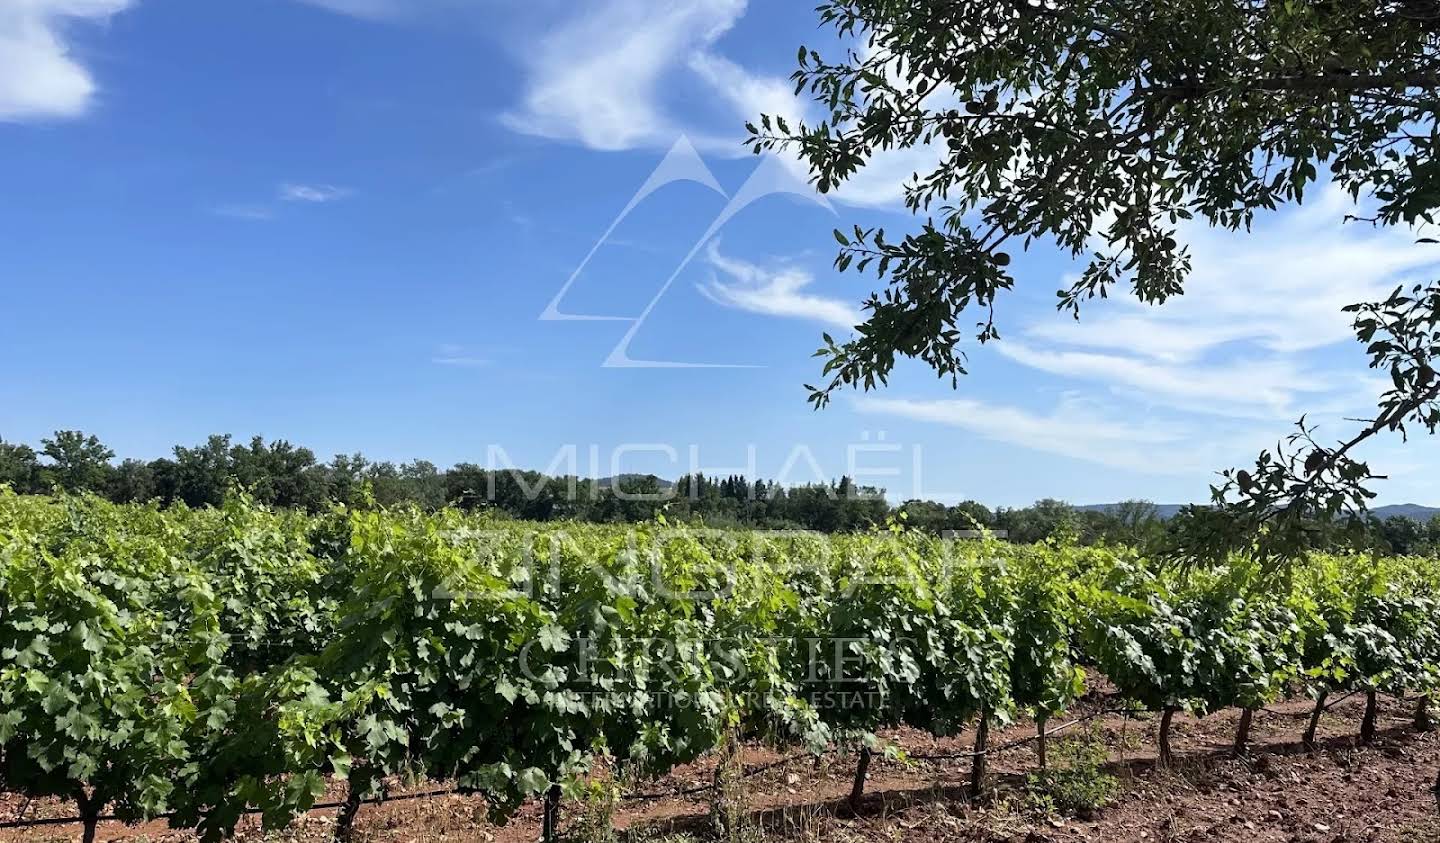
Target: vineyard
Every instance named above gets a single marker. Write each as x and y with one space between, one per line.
203 665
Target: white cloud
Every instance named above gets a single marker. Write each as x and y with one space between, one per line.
773 292
314 193
1248 387
750 95
1075 428
1281 287
1246 338
396 10
367 9
608 77
459 357
880 183
597 78
1209 379
462 362
39 77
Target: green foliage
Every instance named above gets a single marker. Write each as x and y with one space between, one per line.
1118 118
1045 675
1075 783
78 463
210 661
280 474
19 467
108 642
599 799
1216 639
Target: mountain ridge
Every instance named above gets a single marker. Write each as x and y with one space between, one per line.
1415 511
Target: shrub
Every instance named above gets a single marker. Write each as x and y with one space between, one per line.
1075 783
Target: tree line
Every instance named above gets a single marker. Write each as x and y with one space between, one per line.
285 475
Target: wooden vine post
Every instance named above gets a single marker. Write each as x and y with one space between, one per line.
862 767
551 821
978 764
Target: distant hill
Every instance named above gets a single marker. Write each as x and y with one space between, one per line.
1405 510
1165 510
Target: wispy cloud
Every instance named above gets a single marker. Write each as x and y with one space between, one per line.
596 78
1280 286
1076 428
488 168
367 9
608 77
313 193
395 10
773 292
1246 339
749 94
1248 387
516 216
880 183
458 356
39 77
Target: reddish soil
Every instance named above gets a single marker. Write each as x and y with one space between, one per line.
1339 793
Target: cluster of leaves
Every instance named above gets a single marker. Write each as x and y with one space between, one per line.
111 654
1369 628
1221 638
1213 640
204 663
1076 782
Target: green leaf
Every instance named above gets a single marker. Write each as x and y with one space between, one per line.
553 638
533 780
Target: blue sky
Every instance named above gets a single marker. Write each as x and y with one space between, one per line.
341 222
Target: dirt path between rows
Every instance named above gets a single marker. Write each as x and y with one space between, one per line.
1281 793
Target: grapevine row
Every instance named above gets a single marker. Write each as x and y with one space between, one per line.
204 663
